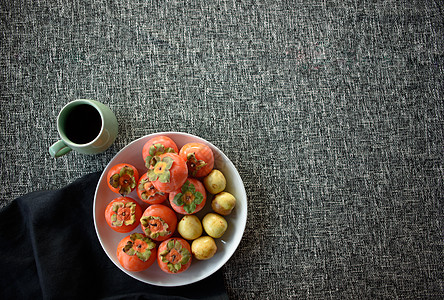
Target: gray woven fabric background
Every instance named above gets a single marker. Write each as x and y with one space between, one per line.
332 111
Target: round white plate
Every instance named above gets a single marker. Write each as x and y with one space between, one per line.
226 245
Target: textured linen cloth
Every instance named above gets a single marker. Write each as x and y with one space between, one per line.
49 250
332 111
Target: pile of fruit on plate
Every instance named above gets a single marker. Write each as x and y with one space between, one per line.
175 187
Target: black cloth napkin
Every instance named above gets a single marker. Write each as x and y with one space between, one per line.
49 250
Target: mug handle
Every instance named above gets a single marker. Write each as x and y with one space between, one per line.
58 149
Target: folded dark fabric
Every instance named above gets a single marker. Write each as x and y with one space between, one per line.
49 250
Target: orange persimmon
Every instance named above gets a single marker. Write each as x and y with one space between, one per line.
158 222
122 178
148 193
123 214
189 198
136 252
168 173
174 255
199 158
156 146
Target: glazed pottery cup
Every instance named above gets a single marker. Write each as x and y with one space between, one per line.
85 126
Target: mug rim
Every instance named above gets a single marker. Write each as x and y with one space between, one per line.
63 136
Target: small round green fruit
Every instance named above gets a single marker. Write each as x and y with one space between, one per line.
214 225
223 203
215 182
189 227
203 248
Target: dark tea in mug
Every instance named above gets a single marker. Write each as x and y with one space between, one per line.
82 124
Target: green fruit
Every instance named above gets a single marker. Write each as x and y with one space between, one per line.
189 227
203 248
214 225
215 182
223 203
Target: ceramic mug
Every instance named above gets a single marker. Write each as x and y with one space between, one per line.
85 126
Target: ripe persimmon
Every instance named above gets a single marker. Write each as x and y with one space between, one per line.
156 146
123 214
148 193
136 252
199 158
189 198
174 255
122 178
168 173
158 222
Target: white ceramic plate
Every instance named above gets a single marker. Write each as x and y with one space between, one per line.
227 244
